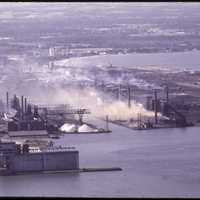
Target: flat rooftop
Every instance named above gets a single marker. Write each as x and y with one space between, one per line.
28 133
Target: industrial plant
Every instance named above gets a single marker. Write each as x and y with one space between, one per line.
36 123
22 118
165 111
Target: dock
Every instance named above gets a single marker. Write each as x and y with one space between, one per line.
87 133
103 169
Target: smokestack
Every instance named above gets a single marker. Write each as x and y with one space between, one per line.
129 97
103 90
107 127
22 107
102 86
155 106
119 92
95 82
138 120
7 101
25 105
167 94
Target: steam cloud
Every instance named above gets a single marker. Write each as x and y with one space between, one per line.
99 107
39 92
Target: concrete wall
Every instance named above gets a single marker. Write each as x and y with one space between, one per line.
44 161
61 160
8 147
28 133
26 162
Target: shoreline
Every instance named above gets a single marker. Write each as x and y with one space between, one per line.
102 169
138 60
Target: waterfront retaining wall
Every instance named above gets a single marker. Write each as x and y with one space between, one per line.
44 161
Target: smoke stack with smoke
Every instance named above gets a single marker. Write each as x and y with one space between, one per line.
91 99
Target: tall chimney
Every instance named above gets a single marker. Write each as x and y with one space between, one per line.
22 107
129 97
7 101
138 120
155 106
167 94
107 127
119 93
25 105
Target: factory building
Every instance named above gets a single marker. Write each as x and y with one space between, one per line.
15 158
166 108
26 119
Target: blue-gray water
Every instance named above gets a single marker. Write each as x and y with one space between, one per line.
172 60
156 163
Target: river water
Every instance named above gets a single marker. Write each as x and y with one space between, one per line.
155 163
172 60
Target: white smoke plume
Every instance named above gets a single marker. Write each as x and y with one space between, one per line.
99 106
40 92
